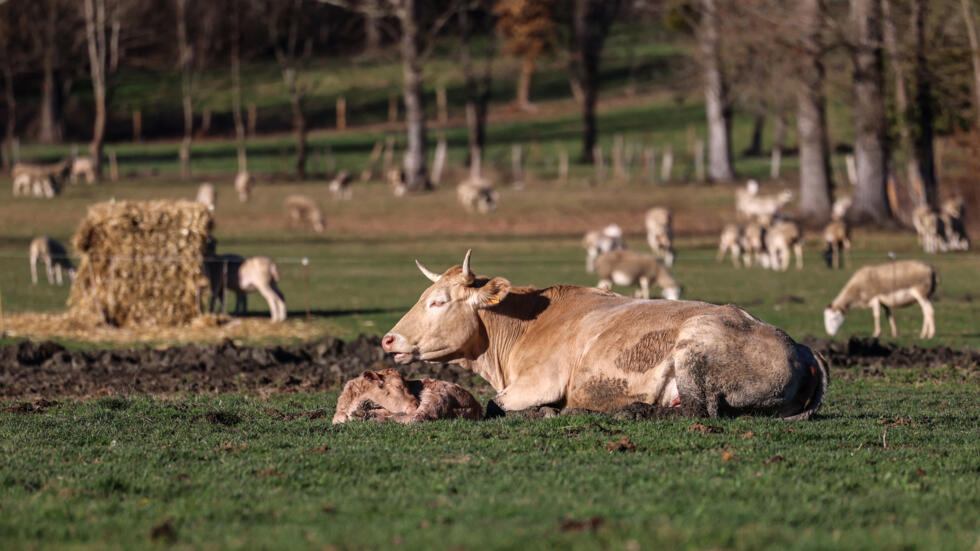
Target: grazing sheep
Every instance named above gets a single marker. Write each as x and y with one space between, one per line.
628 268
243 186
207 195
749 205
660 234
840 207
55 258
233 273
836 235
730 242
82 166
340 186
396 178
887 286
951 214
780 238
477 196
754 245
302 209
385 396
929 229
597 242
39 180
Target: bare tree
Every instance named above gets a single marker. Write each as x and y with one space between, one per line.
590 25
7 72
287 50
529 30
971 29
477 91
49 131
870 127
185 56
236 84
811 114
102 36
717 105
923 131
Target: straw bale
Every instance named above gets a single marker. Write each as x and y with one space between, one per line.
141 263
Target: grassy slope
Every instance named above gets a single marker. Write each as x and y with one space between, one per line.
101 474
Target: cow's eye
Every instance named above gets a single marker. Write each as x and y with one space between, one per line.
435 303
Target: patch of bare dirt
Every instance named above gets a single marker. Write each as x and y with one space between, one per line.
870 357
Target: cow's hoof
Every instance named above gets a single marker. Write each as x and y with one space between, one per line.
493 411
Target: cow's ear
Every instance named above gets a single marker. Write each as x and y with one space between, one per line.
374 377
491 293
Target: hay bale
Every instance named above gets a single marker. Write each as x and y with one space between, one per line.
141 263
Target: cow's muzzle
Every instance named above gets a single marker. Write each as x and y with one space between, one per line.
396 344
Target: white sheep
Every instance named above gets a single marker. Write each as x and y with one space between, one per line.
207 195
233 273
302 209
55 258
660 234
243 185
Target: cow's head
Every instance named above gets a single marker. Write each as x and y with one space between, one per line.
444 325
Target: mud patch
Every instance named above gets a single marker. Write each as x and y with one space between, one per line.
30 370
870 357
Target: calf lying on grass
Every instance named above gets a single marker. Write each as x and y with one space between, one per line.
384 395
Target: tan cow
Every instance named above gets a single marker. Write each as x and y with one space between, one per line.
580 347
385 396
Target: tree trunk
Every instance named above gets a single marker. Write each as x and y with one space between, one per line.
95 25
811 118
902 109
48 128
755 144
184 59
416 176
717 106
477 93
923 133
590 24
236 87
299 126
372 30
524 84
11 101
971 31
870 127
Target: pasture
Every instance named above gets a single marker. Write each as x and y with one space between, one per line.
891 462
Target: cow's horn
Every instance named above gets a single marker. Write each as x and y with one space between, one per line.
428 273
466 273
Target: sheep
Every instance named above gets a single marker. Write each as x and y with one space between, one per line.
82 166
626 268
243 185
780 238
477 196
385 396
887 286
951 214
207 195
55 258
39 180
731 241
396 178
837 235
235 273
929 229
300 208
660 234
597 242
749 205
340 186
753 245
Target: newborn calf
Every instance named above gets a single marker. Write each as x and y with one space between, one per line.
384 395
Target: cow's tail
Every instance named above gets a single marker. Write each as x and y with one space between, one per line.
818 379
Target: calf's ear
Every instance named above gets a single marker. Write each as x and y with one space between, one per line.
491 293
374 377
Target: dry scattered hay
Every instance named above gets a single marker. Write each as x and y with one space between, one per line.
141 263
204 328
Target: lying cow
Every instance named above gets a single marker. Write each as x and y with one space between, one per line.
385 396
579 347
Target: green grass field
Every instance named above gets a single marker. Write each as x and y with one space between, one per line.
889 465
891 462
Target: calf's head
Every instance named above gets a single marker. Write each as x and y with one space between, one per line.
384 389
444 324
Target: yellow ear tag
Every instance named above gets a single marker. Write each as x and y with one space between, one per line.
492 300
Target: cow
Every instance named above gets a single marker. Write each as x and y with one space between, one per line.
385 396
580 347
